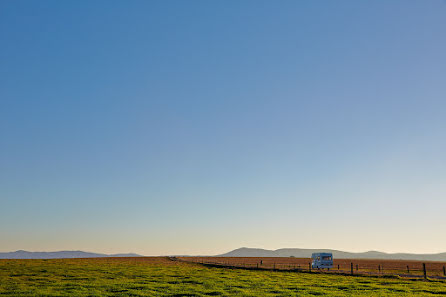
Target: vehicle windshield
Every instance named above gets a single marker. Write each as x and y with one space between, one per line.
326 258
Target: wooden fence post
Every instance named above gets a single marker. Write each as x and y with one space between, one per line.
424 271
351 268
444 270
274 266
408 271
338 266
356 267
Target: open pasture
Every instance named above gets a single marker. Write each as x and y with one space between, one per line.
360 266
160 276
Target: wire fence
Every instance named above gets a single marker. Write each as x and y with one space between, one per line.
401 268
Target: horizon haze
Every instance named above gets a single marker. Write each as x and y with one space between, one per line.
240 252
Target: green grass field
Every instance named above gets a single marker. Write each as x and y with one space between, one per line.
162 277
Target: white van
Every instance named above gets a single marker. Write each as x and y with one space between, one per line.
322 260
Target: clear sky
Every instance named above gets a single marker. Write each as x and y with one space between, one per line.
197 127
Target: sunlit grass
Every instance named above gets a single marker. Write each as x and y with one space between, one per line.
162 277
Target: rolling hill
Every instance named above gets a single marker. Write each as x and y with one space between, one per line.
58 255
306 253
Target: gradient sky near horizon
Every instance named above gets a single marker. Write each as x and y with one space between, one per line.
198 127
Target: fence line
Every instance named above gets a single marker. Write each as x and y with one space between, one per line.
352 268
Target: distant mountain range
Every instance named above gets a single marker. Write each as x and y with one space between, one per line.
58 255
241 252
306 253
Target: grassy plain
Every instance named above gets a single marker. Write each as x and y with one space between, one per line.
162 277
369 266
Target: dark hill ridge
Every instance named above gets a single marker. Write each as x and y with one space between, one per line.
58 255
306 253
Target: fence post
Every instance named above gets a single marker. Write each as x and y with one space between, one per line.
338 266
424 271
408 271
351 268
444 270
309 267
274 266
356 267
379 268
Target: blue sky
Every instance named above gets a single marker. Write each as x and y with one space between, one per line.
197 127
